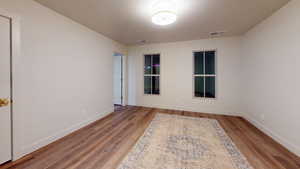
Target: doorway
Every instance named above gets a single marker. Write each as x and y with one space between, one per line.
118 79
5 89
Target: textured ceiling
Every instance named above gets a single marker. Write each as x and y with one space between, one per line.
129 21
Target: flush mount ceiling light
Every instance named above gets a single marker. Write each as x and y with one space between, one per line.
164 12
164 18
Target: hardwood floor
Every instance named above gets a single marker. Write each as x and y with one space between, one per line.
103 144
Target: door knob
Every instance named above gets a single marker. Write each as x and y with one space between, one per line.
4 102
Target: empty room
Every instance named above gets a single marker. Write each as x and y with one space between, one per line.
149 84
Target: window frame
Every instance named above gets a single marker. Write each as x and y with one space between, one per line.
151 75
205 75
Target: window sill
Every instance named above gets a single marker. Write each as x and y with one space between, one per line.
151 94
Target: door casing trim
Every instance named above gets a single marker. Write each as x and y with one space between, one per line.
15 48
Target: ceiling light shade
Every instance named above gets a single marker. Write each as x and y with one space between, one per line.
164 18
164 12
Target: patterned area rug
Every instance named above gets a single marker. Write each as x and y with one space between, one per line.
179 142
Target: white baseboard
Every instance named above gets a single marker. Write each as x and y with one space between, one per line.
291 147
45 141
181 108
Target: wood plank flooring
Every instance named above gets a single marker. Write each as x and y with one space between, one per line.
103 144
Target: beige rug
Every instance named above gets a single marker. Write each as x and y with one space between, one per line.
179 142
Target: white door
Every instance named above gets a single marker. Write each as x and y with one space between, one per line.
118 79
5 118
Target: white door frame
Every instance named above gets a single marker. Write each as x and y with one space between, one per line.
15 53
123 78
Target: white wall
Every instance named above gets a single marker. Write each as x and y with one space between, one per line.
270 79
176 76
62 78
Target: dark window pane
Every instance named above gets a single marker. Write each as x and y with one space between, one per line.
210 87
147 66
198 59
155 85
147 84
155 64
210 62
199 87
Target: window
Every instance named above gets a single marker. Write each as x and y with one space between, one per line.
204 74
152 74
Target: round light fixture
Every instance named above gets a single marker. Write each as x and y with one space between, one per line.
164 12
164 18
